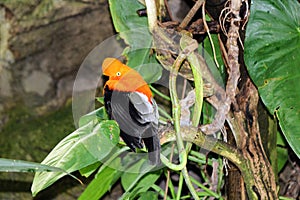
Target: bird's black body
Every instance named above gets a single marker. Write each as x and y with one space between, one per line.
137 119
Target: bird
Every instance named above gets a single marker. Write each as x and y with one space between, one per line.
128 100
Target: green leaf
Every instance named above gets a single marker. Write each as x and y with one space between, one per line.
151 72
102 182
83 147
272 49
99 114
9 165
135 172
88 170
143 184
125 17
133 29
84 120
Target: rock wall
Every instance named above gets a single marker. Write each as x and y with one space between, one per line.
42 44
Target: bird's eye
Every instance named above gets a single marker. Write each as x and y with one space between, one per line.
118 74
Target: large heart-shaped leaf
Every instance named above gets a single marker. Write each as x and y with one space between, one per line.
272 50
83 147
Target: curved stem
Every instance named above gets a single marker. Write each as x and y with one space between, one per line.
189 183
194 135
198 81
171 165
179 187
163 112
159 93
209 35
176 116
195 65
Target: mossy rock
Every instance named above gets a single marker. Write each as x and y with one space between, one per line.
30 137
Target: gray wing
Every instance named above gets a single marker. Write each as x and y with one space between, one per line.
148 112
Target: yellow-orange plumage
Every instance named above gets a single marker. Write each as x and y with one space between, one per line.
123 78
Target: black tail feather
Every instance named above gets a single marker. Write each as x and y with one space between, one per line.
153 146
131 141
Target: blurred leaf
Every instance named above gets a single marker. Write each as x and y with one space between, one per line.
148 195
84 120
209 58
143 184
100 99
128 179
151 72
99 114
272 49
135 172
9 165
282 152
83 147
102 182
280 140
282 157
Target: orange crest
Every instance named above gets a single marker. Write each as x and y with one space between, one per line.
123 78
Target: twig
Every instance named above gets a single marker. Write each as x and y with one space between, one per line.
191 14
233 71
209 36
210 192
168 174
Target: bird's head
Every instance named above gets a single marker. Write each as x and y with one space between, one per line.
124 78
114 69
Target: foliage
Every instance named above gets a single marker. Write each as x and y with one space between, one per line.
94 148
96 138
135 177
9 165
272 49
85 146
